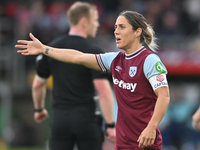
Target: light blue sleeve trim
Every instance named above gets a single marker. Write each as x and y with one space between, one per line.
149 67
107 59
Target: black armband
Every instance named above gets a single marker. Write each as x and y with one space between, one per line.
38 110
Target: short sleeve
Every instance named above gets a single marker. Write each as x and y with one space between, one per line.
105 60
42 67
153 66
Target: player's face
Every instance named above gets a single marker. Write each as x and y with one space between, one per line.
93 23
124 34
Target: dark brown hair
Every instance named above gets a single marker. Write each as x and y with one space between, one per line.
136 20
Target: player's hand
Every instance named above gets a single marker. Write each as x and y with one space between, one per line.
41 116
147 137
33 47
111 134
196 120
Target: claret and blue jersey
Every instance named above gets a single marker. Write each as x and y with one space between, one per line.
135 96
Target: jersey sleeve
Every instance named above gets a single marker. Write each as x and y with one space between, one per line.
42 68
153 66
104 60
97 74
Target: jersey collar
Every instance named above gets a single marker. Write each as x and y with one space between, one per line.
134 54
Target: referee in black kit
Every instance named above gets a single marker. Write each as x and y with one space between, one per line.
73 119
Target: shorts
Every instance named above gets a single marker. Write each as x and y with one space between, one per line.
75 126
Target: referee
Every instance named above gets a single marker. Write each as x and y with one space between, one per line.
73 119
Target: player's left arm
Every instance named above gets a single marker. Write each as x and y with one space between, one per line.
158 80
148 135
161 106
156 72
161 89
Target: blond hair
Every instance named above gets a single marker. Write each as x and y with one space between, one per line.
79 10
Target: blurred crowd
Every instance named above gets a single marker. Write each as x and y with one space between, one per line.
176 24
172 20
47 19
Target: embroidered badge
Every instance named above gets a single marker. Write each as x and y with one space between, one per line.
132 71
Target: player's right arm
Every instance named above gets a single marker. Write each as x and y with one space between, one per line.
35 47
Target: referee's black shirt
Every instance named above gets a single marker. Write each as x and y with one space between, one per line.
72 84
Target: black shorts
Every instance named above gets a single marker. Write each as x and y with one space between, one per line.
75 126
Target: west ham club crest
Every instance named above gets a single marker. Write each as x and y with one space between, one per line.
132 71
